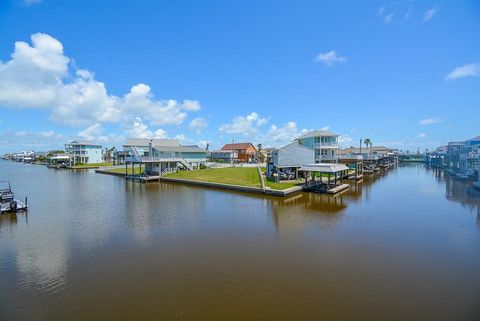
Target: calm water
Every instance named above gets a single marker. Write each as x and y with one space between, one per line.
403 246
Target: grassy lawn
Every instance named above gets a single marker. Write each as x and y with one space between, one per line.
92 165
270 182
244 176
122 170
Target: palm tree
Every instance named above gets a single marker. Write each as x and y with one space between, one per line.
259 154
368 142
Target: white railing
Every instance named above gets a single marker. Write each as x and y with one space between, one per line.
326 157
153 159
326 145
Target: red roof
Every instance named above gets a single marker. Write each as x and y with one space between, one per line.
238 146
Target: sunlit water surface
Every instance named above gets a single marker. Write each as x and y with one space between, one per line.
402 246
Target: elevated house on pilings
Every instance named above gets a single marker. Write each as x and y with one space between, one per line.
285 162
156 157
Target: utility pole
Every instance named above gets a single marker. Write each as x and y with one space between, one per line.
233 156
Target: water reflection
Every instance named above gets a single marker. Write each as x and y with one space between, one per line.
458 190
99 241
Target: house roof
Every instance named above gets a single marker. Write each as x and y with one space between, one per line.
76 142
323 168
143 142
318 133
183 149
295 143
237 146
474 139
223 151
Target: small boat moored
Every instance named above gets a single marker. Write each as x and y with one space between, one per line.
8 203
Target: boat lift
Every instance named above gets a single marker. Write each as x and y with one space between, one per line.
8 202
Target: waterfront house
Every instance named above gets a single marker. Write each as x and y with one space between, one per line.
265 154
285 161
323 142
163 155
84 152
224 155
462 157
245 152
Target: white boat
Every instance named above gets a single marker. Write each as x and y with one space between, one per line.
8 203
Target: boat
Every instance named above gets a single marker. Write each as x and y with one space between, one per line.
8 203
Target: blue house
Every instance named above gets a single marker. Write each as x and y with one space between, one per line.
84 152
324 143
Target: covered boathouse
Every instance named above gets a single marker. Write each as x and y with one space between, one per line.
325 177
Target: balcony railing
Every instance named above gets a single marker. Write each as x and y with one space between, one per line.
326 145
326 157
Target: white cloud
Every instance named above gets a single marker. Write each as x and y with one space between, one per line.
137 129
464 71
429 121
38 76
203 143
92 132
198 125
388 18
428 15
26 140
345 140
330 58
422 135
245 125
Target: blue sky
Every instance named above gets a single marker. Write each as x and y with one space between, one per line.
405 74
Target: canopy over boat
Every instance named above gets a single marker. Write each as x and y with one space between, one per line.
324 168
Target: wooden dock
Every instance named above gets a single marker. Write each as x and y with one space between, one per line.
338 189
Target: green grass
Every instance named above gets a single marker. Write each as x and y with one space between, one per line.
243 176
92 165
270 182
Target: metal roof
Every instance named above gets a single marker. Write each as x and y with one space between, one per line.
76 142
238 146
294 143
318 133
323 168
179 149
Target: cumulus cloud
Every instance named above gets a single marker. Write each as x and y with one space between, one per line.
428 15
198 125
464 71
330 58
91 132
345 140
39 76
429 121
422 135
245 125
138 129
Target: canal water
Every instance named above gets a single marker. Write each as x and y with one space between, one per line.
402 246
